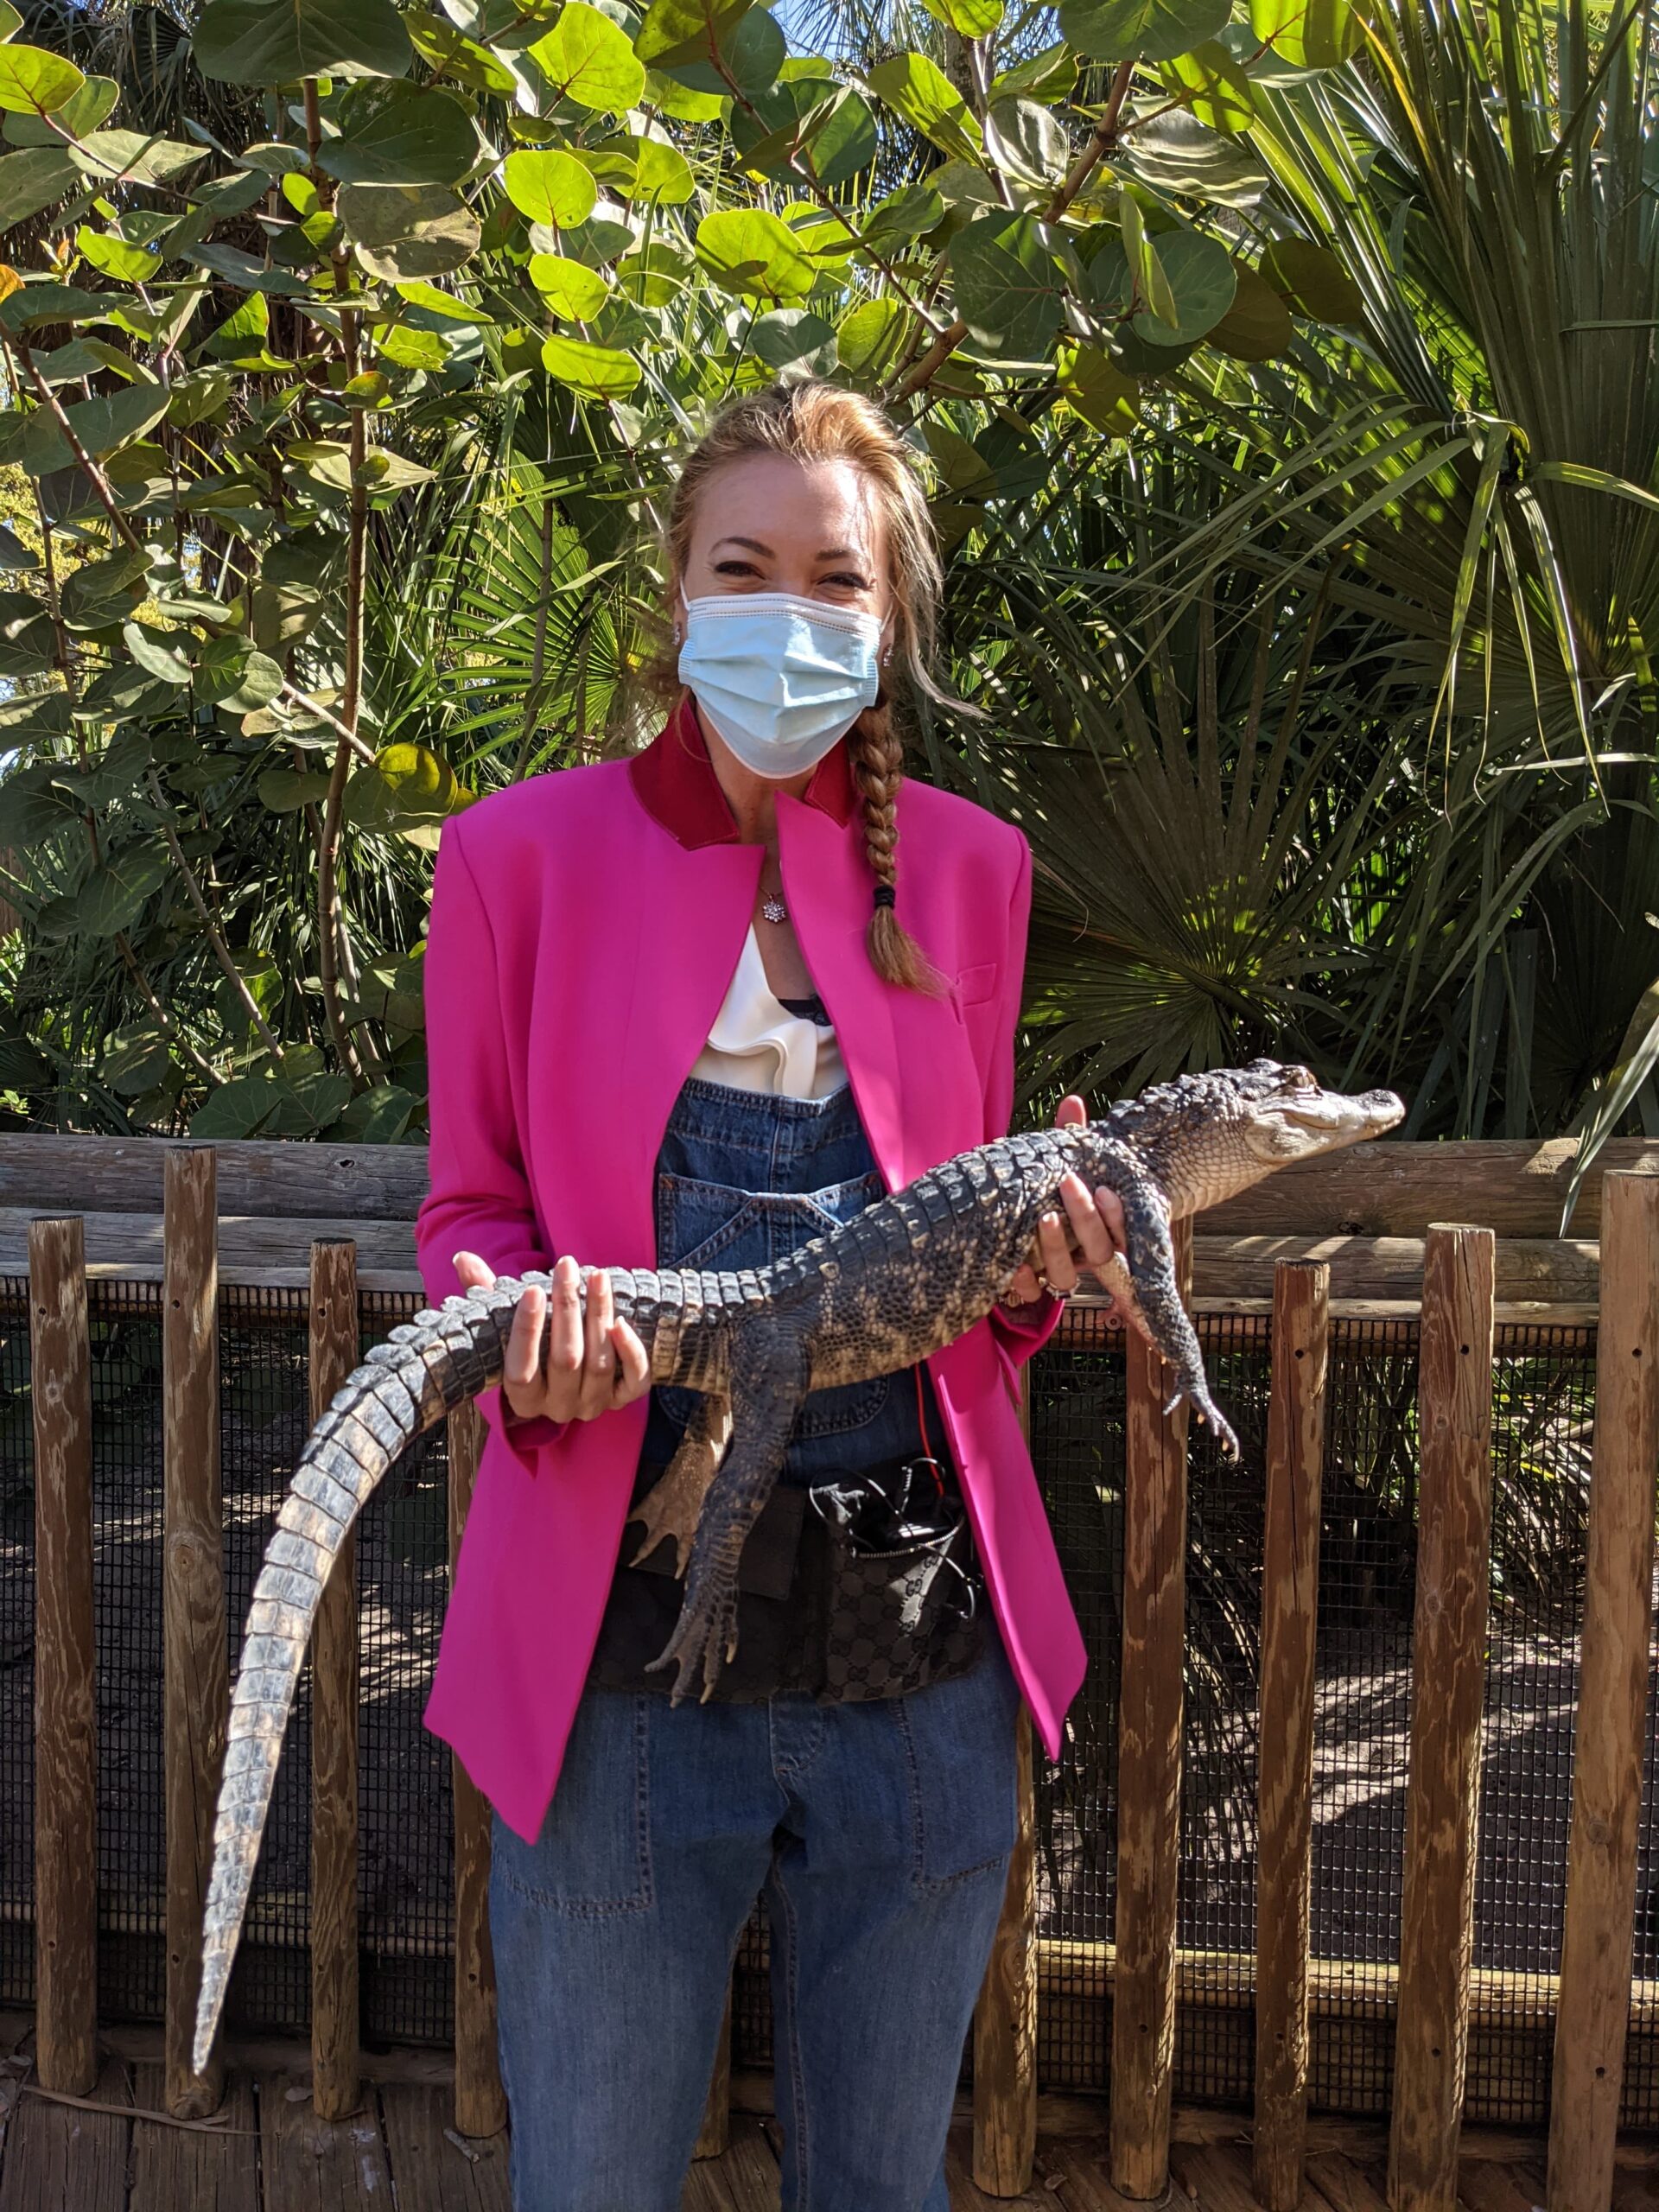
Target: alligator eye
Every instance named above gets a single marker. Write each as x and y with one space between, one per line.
1302 1079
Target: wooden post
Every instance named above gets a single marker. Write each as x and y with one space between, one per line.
480 2101
1290 1584
715 2134
1598 1938
1149 1766
1448 1660
1005 2016
66 1716
336 2084
196 1671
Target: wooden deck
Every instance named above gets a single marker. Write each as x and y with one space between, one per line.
268 2152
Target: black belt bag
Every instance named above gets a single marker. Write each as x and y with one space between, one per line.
904 1589
900 1597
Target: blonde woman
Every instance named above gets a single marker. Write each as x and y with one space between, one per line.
690 1010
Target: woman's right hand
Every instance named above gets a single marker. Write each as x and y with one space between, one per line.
591 1364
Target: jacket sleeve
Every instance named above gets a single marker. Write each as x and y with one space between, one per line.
479 1198
1017 1331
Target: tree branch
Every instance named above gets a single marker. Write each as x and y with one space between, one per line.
221 950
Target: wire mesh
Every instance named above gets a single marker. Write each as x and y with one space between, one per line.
406 1898
16 1650
1543 1390
406 1806
1542 1409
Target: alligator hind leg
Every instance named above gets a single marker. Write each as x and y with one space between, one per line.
769 1381
673 1505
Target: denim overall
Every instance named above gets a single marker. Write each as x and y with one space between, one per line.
744 1178
877 1829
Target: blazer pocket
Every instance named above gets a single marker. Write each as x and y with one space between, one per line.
975 985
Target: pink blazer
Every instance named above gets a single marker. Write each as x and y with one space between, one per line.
585 927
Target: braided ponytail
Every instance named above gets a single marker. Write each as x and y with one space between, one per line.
809 419
876 753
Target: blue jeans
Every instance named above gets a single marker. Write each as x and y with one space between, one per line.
880 1833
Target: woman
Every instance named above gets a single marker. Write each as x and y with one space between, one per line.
689 1008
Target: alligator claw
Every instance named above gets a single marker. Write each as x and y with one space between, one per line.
670 1508
1200 1403
707 1629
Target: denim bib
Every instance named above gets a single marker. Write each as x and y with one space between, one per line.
743 1178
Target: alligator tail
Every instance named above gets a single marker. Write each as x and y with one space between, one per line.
426 1367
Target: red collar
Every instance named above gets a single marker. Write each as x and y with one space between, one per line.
675 782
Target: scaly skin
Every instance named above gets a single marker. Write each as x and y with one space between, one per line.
898 1281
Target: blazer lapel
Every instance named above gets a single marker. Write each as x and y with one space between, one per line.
693 908
827 888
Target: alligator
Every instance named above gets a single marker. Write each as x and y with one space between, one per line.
898 1281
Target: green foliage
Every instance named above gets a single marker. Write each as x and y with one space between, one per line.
1286 390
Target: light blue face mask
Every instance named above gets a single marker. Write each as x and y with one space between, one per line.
780 678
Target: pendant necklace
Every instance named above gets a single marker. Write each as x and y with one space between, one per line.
774 909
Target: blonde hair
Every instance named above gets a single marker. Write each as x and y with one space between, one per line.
811 420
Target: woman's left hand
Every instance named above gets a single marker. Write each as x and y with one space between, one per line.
1097 1227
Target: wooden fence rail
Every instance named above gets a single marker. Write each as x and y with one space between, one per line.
1141 1973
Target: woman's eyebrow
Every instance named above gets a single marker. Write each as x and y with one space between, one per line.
830 553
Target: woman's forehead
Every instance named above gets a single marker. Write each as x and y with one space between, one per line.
775 497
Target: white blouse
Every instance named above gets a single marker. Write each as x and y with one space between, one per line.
757 1044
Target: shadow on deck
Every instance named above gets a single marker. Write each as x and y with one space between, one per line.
268 2152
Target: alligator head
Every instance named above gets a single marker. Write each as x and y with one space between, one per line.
1210 1136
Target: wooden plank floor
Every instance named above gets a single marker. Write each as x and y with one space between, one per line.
269 2152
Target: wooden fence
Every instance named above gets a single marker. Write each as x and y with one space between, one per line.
1461 1272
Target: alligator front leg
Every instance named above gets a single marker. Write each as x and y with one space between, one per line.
769 1384
673 1505
1155 1305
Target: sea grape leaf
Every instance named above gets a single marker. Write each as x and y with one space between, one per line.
586 59
1214 86
280 42
1313 281
871 338
393 132
33 178
919 90
1257 327
1007 284
134 156
33 81
571 288
1141 31
967 18
596 372
1309 34
1025 141
404 231
676 32
82 113
750 250
549 186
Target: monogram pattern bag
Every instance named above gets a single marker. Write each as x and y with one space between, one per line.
905 1603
